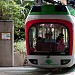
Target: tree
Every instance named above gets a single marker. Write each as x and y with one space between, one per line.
19 28
17 11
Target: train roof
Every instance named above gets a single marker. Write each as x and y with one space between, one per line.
52 10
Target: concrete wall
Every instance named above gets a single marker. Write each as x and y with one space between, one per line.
19 59
6 43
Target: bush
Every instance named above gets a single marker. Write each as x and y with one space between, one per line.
20 46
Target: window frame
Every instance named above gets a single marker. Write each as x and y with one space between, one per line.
69 25
46 52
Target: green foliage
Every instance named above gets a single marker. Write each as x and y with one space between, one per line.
17 11
20 46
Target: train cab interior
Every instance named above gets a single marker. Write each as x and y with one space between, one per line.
49 38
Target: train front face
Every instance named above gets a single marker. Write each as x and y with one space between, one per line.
49 39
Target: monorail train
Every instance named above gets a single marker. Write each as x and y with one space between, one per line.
50 36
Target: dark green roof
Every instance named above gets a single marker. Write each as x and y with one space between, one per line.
49 9
52 10
71 10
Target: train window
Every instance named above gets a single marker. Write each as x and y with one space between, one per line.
59 8
49 38
36 9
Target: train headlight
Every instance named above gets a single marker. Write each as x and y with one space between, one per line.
65 61
33 61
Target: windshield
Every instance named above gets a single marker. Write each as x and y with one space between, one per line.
49 38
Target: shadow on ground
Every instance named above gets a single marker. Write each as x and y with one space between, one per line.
54 71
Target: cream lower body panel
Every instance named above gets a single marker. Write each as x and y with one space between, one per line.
51 62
